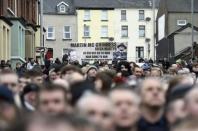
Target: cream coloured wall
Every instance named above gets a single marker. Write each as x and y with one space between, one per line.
114 24
5 48
133 32
95 25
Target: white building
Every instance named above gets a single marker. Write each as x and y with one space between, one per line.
134 24
61 23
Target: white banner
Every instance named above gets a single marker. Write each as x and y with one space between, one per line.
96 51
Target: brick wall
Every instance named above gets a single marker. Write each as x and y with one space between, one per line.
26 9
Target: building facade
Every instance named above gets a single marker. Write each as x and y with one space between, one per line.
60 22
23 16
172 17
18 39
5 31
61 26
130 22
95 25
135 26
5 38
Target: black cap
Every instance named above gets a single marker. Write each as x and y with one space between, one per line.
30 88
122 45
178 92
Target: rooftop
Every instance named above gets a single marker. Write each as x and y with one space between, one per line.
50 6
115 3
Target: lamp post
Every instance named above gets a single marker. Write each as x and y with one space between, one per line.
154 31
192 23
41 31
41 23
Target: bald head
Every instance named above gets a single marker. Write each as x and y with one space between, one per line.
98 110
126 104
90 101
152 92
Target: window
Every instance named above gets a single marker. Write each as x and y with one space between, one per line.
34 11
139 52
104 15
86 31
141 31
181 22
11 4
124 31
123 14
62 8
1 9
50 33
104 31
67 32
87 15
141 15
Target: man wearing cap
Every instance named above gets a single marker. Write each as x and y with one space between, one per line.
28 96
91 73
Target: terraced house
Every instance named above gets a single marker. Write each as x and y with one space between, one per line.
95 20
135 25
60 21
121 21
18 27
174 30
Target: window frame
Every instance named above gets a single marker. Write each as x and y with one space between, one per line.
123 14
106 32
87 13
104 15
139 50
64 32
84 31
141 13
142 28
62 5
127 29
178 24
53 33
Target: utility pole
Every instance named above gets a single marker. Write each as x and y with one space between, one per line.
154 31
192 23
41 23
41 31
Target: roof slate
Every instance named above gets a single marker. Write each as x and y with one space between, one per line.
181 5
115 3
183 28
50 6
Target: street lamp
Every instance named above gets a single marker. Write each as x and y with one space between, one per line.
192 24
41 23
154 31
41 31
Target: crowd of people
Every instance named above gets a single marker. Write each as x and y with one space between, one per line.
102 96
